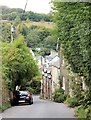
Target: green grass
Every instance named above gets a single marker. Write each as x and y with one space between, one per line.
4 106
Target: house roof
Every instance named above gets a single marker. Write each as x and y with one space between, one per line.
50 57
55 62
39 57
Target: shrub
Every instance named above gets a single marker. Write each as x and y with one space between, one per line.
37 90
72 102
31 90
59 96
80 112
83 112
88 112
34 90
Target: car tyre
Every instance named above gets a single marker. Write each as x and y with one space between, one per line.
30 102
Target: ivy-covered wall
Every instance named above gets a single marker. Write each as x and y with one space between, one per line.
73 30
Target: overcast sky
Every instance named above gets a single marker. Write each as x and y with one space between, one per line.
39 6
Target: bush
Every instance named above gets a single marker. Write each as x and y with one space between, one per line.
35 84
59 96
88 112
37 90
34 90
31 90
72 102
80 112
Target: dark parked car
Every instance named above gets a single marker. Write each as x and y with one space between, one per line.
22 96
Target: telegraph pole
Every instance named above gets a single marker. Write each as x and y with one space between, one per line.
25 5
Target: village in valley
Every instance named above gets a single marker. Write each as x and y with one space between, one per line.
46 62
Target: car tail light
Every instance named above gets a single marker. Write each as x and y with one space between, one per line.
28 94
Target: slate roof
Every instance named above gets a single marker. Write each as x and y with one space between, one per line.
50 57
55 62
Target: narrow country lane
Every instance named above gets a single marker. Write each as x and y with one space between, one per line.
0 116
40 109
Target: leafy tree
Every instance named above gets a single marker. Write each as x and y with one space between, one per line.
12 16
43 33
18 64
36 36
22 29
50 43
33 38
6 32
17 20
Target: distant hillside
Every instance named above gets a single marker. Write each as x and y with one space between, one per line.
7 10
12 13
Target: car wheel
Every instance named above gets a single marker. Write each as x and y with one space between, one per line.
30 102
15 102
12 102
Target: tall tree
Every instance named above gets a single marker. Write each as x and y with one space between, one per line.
18 64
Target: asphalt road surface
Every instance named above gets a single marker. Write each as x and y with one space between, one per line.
39 109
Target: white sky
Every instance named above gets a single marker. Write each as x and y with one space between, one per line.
38 6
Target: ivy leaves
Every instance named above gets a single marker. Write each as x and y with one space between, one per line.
74 32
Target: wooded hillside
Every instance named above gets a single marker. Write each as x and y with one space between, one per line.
13 13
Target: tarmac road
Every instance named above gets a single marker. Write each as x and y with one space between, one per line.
39 109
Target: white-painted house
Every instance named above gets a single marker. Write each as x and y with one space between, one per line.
41 61
54 64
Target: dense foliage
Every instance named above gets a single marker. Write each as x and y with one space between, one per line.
6 32
35 36
73 26
59 96
18 64
40 37
35 87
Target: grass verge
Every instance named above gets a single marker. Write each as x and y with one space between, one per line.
4 106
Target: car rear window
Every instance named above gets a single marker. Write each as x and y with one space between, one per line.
24 92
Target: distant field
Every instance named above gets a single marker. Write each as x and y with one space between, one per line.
41 23
28 24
